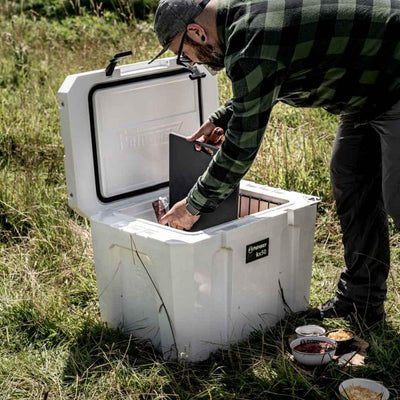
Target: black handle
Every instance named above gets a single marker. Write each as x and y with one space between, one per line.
204 146
113 62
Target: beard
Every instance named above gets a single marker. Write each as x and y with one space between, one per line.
207 55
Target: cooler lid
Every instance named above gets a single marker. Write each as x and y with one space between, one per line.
115 129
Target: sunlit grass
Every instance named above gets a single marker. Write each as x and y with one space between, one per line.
52 342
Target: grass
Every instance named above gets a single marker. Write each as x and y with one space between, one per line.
52 342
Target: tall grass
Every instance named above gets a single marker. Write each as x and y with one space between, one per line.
124 10
52 342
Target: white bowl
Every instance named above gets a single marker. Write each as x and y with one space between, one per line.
365 383
313 359
310 330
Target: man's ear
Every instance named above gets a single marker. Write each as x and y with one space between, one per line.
197 33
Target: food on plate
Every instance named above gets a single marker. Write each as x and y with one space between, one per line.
311 333
360 393
340 334
310 330
314 347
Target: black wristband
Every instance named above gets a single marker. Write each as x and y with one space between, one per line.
191 209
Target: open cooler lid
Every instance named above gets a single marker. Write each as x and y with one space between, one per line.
115 128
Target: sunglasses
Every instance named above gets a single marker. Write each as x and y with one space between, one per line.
185 62
180 59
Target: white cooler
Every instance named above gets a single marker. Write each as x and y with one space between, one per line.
190 293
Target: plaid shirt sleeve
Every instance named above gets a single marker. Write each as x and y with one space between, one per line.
255 88
222 116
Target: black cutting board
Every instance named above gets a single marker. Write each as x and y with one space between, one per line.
186 164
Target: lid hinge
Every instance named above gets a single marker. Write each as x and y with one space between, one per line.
114 61
195 73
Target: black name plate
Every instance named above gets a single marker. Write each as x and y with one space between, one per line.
257 250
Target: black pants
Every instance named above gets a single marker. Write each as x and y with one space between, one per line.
365 176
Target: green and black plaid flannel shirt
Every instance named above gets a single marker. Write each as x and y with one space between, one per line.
341 55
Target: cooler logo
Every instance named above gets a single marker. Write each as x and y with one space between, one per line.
257 250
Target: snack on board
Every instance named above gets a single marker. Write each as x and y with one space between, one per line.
360 393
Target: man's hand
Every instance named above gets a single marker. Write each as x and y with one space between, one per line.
205 130
179 217
208 133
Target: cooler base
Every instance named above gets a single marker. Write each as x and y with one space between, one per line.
192 293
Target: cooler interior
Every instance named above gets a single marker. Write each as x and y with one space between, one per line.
250 202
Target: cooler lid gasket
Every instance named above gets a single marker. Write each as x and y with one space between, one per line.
108 199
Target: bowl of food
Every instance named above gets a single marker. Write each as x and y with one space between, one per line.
343 337
313 350
362 389
310 330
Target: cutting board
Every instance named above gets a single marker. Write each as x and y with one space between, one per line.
186 164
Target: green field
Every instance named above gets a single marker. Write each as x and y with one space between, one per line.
52 342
